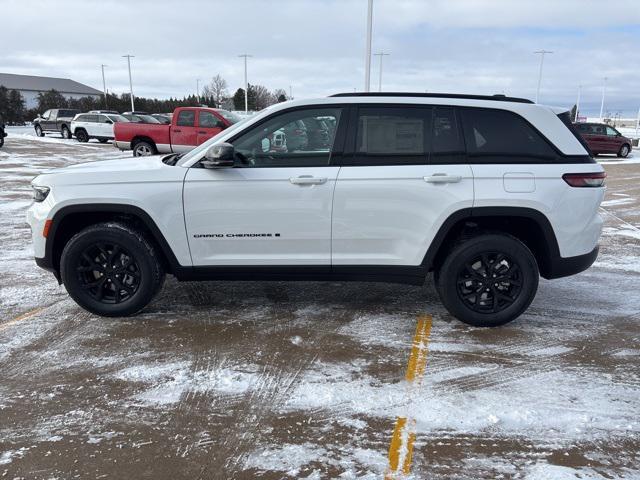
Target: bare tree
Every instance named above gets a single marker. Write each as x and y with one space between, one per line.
263 96
217 90
281 95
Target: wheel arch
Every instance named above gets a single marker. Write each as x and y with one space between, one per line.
142 138
530 226
71 219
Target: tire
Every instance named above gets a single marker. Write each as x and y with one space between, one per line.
144 149
99 287
624 151
476 299
65 132
1 140
39 132
82 136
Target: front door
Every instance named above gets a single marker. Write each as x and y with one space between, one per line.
403 176
273 208
208 125
184 133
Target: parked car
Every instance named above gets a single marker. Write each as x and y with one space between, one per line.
602 138
190 126
86 126
140 118
488 193
2 132
162 118
136 112
296 136
55 120
317 133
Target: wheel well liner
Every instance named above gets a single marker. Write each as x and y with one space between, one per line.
530 226
71 219
142 138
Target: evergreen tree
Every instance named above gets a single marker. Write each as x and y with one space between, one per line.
51 99
238 99
16 107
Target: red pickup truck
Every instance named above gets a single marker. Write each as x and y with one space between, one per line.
190 126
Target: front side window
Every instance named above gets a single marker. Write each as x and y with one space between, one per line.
186 118
500 136
612 132
286 141
46 114
391 136
209 120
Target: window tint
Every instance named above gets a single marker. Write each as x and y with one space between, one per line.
502 137
186 118
67 113
103 119
612 132
89 118
209 120
286 141
391 136
446 141
582 128
596 129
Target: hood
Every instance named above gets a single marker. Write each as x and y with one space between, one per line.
134 164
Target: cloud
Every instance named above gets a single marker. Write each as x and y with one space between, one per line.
317 47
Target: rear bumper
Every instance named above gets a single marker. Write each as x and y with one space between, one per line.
122 145
565 266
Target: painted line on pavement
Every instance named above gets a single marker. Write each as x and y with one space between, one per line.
24 316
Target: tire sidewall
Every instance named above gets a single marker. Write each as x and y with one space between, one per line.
82 136
622 152
66 133
143 144
448 275
149 269
39 131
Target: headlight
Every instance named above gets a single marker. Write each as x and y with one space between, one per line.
40 193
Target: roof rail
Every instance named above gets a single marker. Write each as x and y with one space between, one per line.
496 98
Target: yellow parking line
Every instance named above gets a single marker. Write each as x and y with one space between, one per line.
24 316
404 435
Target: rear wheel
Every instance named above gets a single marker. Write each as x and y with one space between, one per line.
65 132
144 149
624 151
39 131
82 135
488 280
111 270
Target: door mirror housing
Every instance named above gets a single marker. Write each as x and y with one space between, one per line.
219 156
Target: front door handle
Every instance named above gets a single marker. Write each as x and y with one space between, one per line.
307 180
442 178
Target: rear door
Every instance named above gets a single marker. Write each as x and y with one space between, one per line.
613 142
209 124
184 134
403 174
103 128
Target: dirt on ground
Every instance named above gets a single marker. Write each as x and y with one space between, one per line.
271 380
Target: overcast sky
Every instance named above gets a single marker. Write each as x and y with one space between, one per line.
317 47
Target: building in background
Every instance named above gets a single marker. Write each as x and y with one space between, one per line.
30 86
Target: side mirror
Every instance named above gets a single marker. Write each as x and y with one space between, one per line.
219 156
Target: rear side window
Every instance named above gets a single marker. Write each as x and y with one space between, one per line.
67 113
186 118
446 139
88 118
499 136
392 136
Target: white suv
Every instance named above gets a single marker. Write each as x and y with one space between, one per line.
486 192
86 126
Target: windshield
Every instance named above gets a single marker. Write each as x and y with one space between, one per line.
229 116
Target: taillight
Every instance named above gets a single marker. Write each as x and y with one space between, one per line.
595 179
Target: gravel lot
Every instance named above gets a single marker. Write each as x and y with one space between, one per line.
248 380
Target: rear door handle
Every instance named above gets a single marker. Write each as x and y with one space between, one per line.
307 180
204 133
442 178
177 131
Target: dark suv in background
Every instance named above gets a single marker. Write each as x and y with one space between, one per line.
55 120
603 138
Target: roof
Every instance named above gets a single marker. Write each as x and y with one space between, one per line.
497 97
43 84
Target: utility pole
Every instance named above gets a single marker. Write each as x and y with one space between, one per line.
246 84
542 54
578 103
367 63
380 54
104 88
290 93
604 87
198 90
129 57
637 122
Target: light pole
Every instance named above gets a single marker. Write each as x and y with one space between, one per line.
542 54
246 84
367 62
604 87
198 90
578 103
381 54
129 57
290 93
637 122
104 87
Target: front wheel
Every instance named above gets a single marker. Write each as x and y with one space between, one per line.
624 151
111 270
82 136
65 132
488 280
39 132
